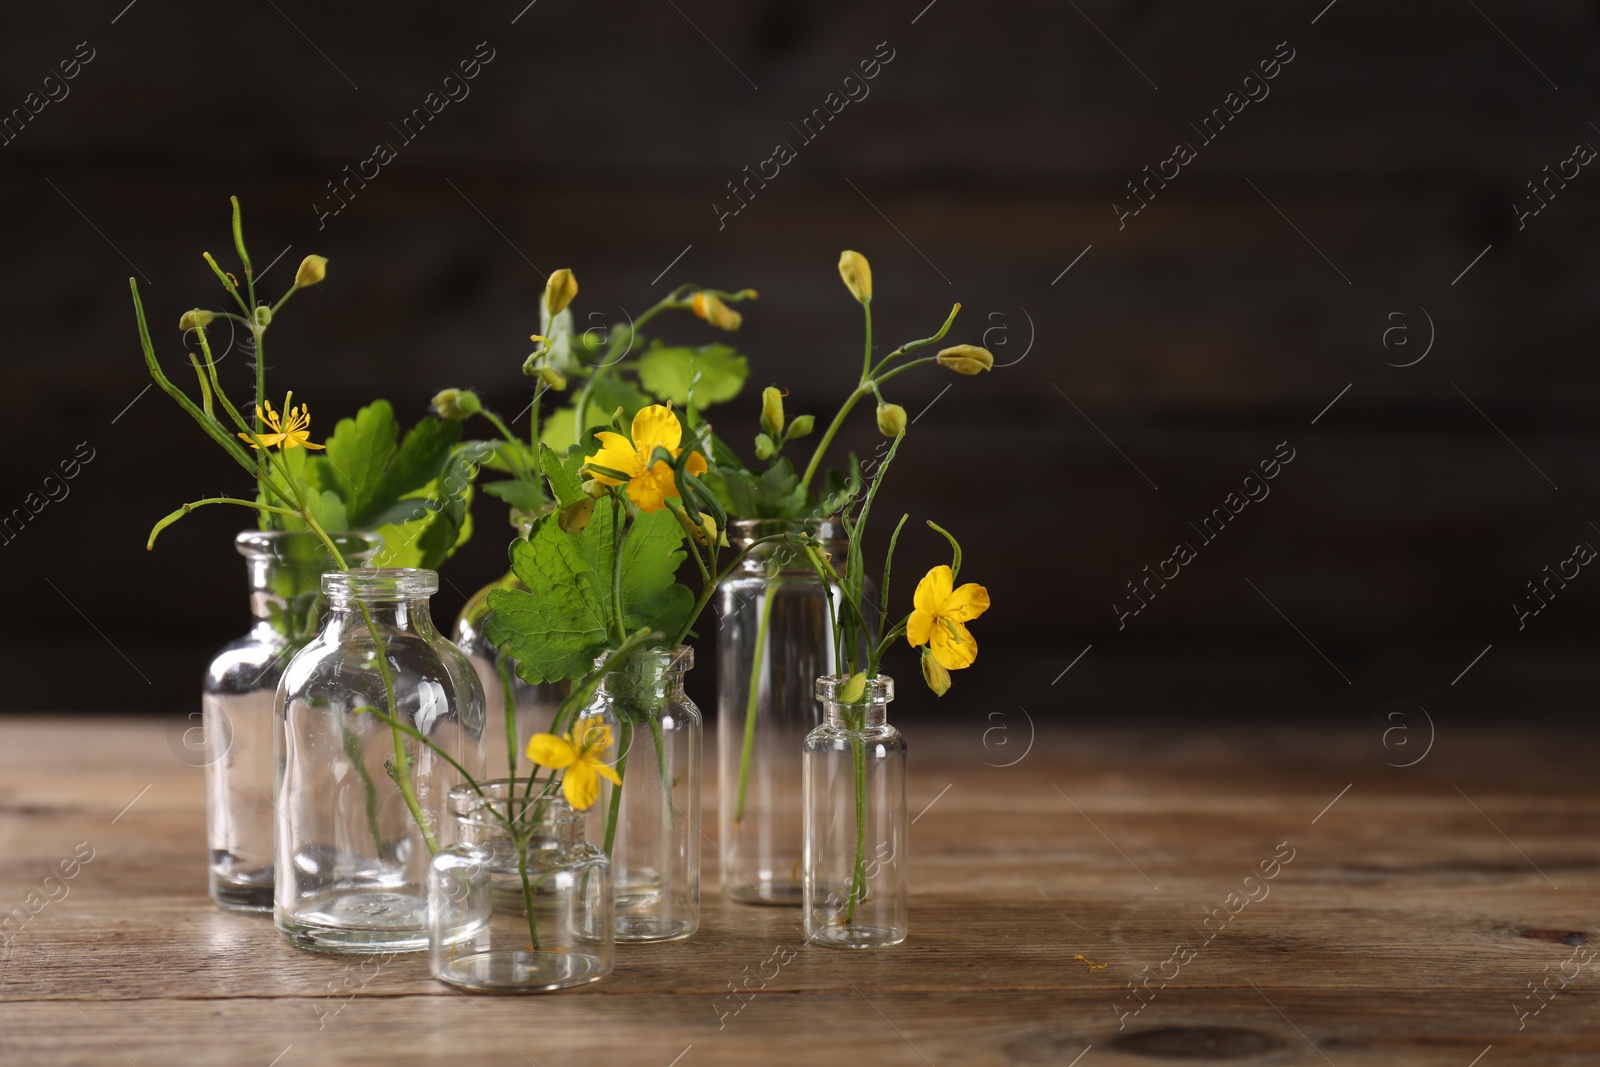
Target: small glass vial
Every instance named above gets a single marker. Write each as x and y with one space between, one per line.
521 903
650 827
535 706
236 717
774 640
361 807
855 821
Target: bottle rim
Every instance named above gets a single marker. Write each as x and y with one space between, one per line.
879 690
381 583
287 545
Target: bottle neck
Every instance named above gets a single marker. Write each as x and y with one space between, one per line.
855 717
285 572
403 615
786 558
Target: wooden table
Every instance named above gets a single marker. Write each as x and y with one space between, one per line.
1407 911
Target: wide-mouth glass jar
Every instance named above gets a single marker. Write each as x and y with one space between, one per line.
520 903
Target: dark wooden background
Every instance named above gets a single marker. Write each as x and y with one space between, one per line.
984 162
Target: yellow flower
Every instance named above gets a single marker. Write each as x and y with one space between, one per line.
857 274
940 611
649 485
293 430
559 291
579 755
713 310
966 359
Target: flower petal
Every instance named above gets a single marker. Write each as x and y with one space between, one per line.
605 770
616 452
966 603
656 425
953 650
581 786
650 489
696 465
548 750
934 590
919 627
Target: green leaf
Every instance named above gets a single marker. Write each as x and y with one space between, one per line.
421 457
557 628
714 373
565 482
651 594
524 496
357 453
559 430
610 393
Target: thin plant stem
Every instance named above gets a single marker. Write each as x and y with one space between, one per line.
753 698
520 843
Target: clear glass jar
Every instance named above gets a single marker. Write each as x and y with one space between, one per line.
521 903
237 723
361 806
650 827
774 640
855 821
534 706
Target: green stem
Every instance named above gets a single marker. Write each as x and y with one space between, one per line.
864 389
626 730
521 845
753 699
401 772
356 754
502 665
619 534
858 879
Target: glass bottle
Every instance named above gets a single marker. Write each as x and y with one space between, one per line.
535 706
774 640
855 821
650 827
518 856
361 805
236 717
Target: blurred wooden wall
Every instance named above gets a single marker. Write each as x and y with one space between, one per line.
1139 387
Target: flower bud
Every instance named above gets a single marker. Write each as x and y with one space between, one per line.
707 533
854 689
713 310
772 411
195 320
857 274
559 291
800 426
764 446
934 674
263 316
593 488
456 404
312 270
575 517
891 420
966 359
553 378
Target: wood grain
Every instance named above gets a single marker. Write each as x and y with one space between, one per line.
1403 929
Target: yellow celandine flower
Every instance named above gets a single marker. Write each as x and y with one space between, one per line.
649 485
293 430
579 756
940 611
